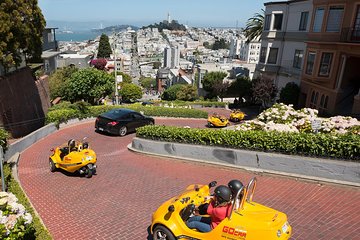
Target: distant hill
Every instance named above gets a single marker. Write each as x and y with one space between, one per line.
173 25
116 28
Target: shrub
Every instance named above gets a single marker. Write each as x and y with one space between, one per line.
61 115
15 220
320 145
290 94
4 135
170 93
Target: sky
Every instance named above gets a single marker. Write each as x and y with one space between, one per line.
195 13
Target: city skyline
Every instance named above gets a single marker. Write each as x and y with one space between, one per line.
200 13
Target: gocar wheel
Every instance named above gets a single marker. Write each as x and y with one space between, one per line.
123 131
88 173
52 165
162 233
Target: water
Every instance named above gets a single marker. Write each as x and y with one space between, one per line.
76 36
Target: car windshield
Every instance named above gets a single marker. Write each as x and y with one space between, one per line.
116 113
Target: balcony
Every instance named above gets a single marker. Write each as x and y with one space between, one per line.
287 68
350 35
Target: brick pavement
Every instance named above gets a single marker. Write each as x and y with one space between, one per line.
118 202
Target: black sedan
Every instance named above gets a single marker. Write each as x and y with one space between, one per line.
121 121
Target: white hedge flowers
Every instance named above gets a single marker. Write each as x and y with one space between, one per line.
284 118
13 217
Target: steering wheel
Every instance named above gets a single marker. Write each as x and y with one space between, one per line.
187 211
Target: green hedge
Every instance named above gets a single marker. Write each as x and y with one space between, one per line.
202 103
62 115
318 145
4 135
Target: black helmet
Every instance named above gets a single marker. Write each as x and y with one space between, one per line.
235 186
71 143
85 145
222 193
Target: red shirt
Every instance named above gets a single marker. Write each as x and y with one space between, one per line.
217 214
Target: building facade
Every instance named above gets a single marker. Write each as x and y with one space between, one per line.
171 57
331 79
286 26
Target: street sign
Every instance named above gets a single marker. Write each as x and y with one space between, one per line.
316 125
119 78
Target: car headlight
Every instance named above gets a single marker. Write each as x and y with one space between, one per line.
278 233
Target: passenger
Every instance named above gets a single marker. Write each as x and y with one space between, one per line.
235 186
218 209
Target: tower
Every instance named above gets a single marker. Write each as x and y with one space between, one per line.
168 17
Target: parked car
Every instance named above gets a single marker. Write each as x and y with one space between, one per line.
121 121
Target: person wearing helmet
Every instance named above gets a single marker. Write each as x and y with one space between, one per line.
72 144
218 209
235 185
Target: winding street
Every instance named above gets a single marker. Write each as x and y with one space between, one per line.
118 202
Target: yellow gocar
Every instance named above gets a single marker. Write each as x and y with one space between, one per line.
216 120
74 156
250 221
236 115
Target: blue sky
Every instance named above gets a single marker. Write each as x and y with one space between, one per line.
200 13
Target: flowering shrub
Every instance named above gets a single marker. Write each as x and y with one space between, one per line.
284 118
14 220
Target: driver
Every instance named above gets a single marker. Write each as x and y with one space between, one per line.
218 209
235 185
72 145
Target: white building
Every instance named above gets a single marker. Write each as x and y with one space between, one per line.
283 41
171 57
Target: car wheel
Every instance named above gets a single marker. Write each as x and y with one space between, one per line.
151 123
52 165
88 173
162 233
123 131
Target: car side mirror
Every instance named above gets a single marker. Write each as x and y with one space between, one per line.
212 184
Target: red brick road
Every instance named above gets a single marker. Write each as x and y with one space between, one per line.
118 202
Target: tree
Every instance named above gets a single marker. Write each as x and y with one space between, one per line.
130 91
99 63
210 80
254 26
263 91
220 89
240 88
148 82
21 29
126 78
187 93
89 84
220 44
290 94
104 49
58 81
170 93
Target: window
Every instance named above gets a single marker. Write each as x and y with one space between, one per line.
319 15
325 64
356 31
267 22
262 55
50 37
303 21
298 56
323 103
334 19
314 98
277 21
273 55
310 63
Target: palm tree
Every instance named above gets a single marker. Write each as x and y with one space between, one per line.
254 26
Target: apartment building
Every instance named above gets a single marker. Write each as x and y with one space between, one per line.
171 57
331 78
239 49
286 26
